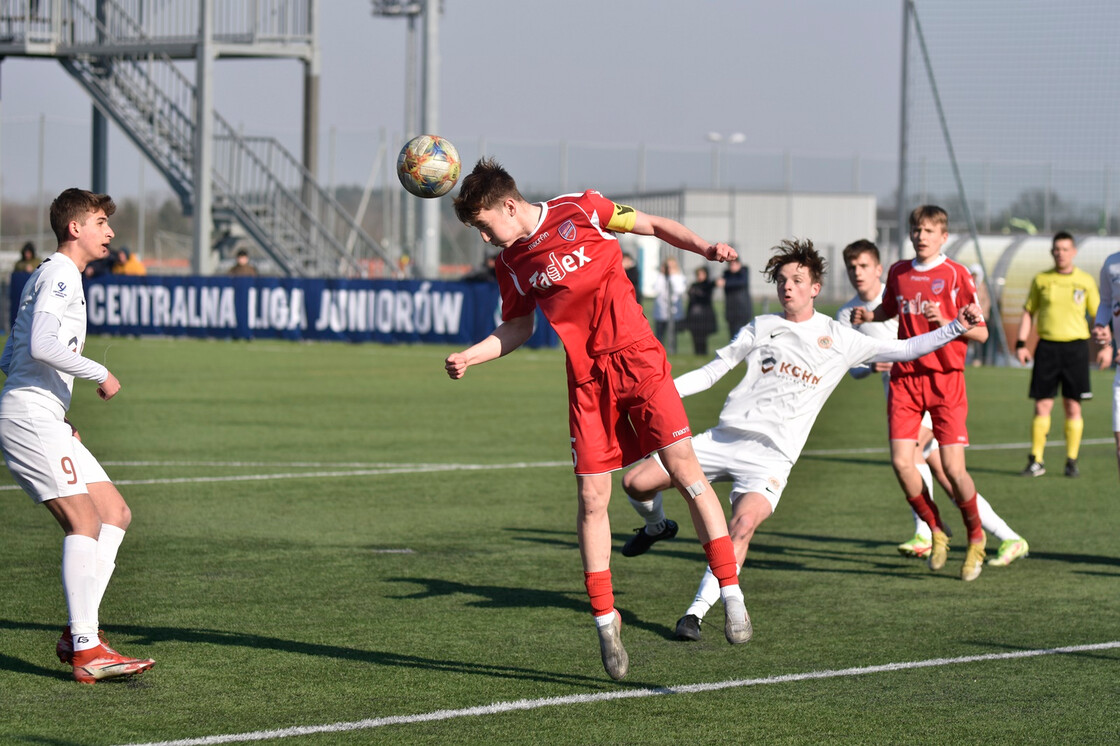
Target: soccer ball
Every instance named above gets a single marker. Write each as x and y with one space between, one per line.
428 166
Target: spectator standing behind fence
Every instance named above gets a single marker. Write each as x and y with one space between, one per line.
129 264
1059 304
984 300
701 317
633 273
668 302
27 261
736 284
242 267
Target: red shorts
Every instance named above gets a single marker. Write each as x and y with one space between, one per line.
941 394
630 409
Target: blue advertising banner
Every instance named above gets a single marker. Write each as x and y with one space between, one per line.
388 311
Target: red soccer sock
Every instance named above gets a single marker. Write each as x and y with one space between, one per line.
926 510
972 521
600 591
721 558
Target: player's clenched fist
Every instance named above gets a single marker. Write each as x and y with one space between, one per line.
456 365
109 387
970 316
861 315
720 252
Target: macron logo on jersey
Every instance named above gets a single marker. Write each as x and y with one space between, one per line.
559 268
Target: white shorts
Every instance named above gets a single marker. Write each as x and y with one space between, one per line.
932 445
47 460
750 464
1116 402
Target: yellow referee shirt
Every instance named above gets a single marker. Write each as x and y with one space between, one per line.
1061 304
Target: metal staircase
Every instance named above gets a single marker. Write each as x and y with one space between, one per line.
130 73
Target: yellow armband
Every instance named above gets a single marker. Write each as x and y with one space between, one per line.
622 219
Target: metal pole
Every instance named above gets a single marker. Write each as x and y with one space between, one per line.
202 259
411 118
903 130
41 212
997 336
99 146
429 260
140 211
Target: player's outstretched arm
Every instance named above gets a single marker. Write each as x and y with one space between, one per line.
505 339
901 350
701 379
680 236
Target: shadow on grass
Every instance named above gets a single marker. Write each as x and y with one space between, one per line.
148 635
799 554
509 597
975 466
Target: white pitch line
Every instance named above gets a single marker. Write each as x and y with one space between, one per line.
578 699
368 469
406 469
973 447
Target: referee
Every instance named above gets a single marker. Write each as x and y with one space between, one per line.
1060 302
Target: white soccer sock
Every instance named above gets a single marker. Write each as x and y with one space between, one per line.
992 523
920 527
108 542
605 620
709 592
652 512
79 585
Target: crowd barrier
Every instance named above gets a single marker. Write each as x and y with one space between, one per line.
387 311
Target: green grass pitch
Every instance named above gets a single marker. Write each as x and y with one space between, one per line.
333 535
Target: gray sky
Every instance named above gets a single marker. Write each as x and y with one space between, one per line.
809 76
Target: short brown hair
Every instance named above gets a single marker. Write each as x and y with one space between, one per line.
1063 236
853 250
484 187
75 204
795 252
932 213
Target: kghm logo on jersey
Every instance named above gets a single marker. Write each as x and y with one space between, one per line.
559 268
567 230
768 363
801 374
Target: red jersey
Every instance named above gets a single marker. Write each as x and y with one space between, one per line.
910 287
571 268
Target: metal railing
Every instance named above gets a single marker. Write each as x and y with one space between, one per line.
258 181
74 22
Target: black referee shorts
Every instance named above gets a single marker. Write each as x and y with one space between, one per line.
1061 362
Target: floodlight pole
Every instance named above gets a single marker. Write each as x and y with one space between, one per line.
427 261
903 135
427 248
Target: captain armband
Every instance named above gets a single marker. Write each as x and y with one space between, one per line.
622 219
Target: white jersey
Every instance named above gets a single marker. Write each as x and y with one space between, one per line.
878 329
34 389
1108 311
793 367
